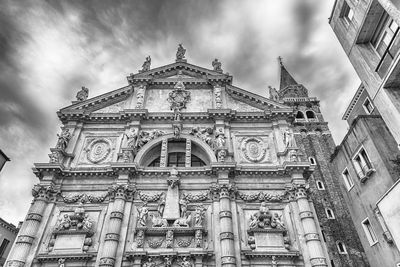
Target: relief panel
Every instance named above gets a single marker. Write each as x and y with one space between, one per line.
98 149
254 148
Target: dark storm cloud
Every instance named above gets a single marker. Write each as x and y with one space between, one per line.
14 105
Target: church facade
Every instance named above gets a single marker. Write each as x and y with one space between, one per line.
182 168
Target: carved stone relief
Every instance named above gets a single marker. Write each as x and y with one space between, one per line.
253 149
98 150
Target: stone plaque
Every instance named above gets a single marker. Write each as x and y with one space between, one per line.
171 211
69 243
269 241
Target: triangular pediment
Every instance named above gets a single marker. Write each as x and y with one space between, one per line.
183 69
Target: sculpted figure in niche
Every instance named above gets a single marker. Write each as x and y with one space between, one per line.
140 96
131 136
180 54
288 138
83 94
219 139
63 139
216 65
183 206
199 216
149 263
143 213
146 64
185 262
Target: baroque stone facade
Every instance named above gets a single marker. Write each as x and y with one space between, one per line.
179 168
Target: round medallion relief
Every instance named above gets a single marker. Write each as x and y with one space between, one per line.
98 150
253 149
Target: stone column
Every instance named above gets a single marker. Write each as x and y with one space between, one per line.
120 193
188 153
225 191
164 153
311 236
30 227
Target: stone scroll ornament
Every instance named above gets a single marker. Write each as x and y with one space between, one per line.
253 149
71 224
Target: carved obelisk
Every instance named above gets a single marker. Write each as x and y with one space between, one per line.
171 211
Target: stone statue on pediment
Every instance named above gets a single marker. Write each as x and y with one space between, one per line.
146 64
63 139
83 94
216 65
180 53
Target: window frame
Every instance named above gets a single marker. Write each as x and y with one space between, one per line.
345 178
366 106
344 251
366 173
369 232
3 246
311 159
327 214
344 14
319 182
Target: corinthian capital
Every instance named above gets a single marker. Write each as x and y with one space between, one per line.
122 191
223 190
42 192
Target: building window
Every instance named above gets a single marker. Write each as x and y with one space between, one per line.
300 116
347 13
348 181
368 107
369 232
329 213
177 159
320 185
384 34
341 247
312 161
3 246
363 165
310 114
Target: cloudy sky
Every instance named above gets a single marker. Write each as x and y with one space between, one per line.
48 50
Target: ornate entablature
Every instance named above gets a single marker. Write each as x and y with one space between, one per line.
170 171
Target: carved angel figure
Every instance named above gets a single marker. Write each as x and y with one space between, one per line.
143 213
273 94
216 65
83 94
146 64
180 53
131 136
219 141
63 139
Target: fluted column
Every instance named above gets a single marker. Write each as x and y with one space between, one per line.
225 192
120 193
30 227
311 236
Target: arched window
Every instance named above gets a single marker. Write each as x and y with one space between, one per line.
320 185
341 247
299 115
329 213
310 114
312 161
175 153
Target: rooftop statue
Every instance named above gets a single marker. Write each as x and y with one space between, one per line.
83 94
180 54
216 65
146 64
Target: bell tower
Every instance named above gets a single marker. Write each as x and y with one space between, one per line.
316 144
